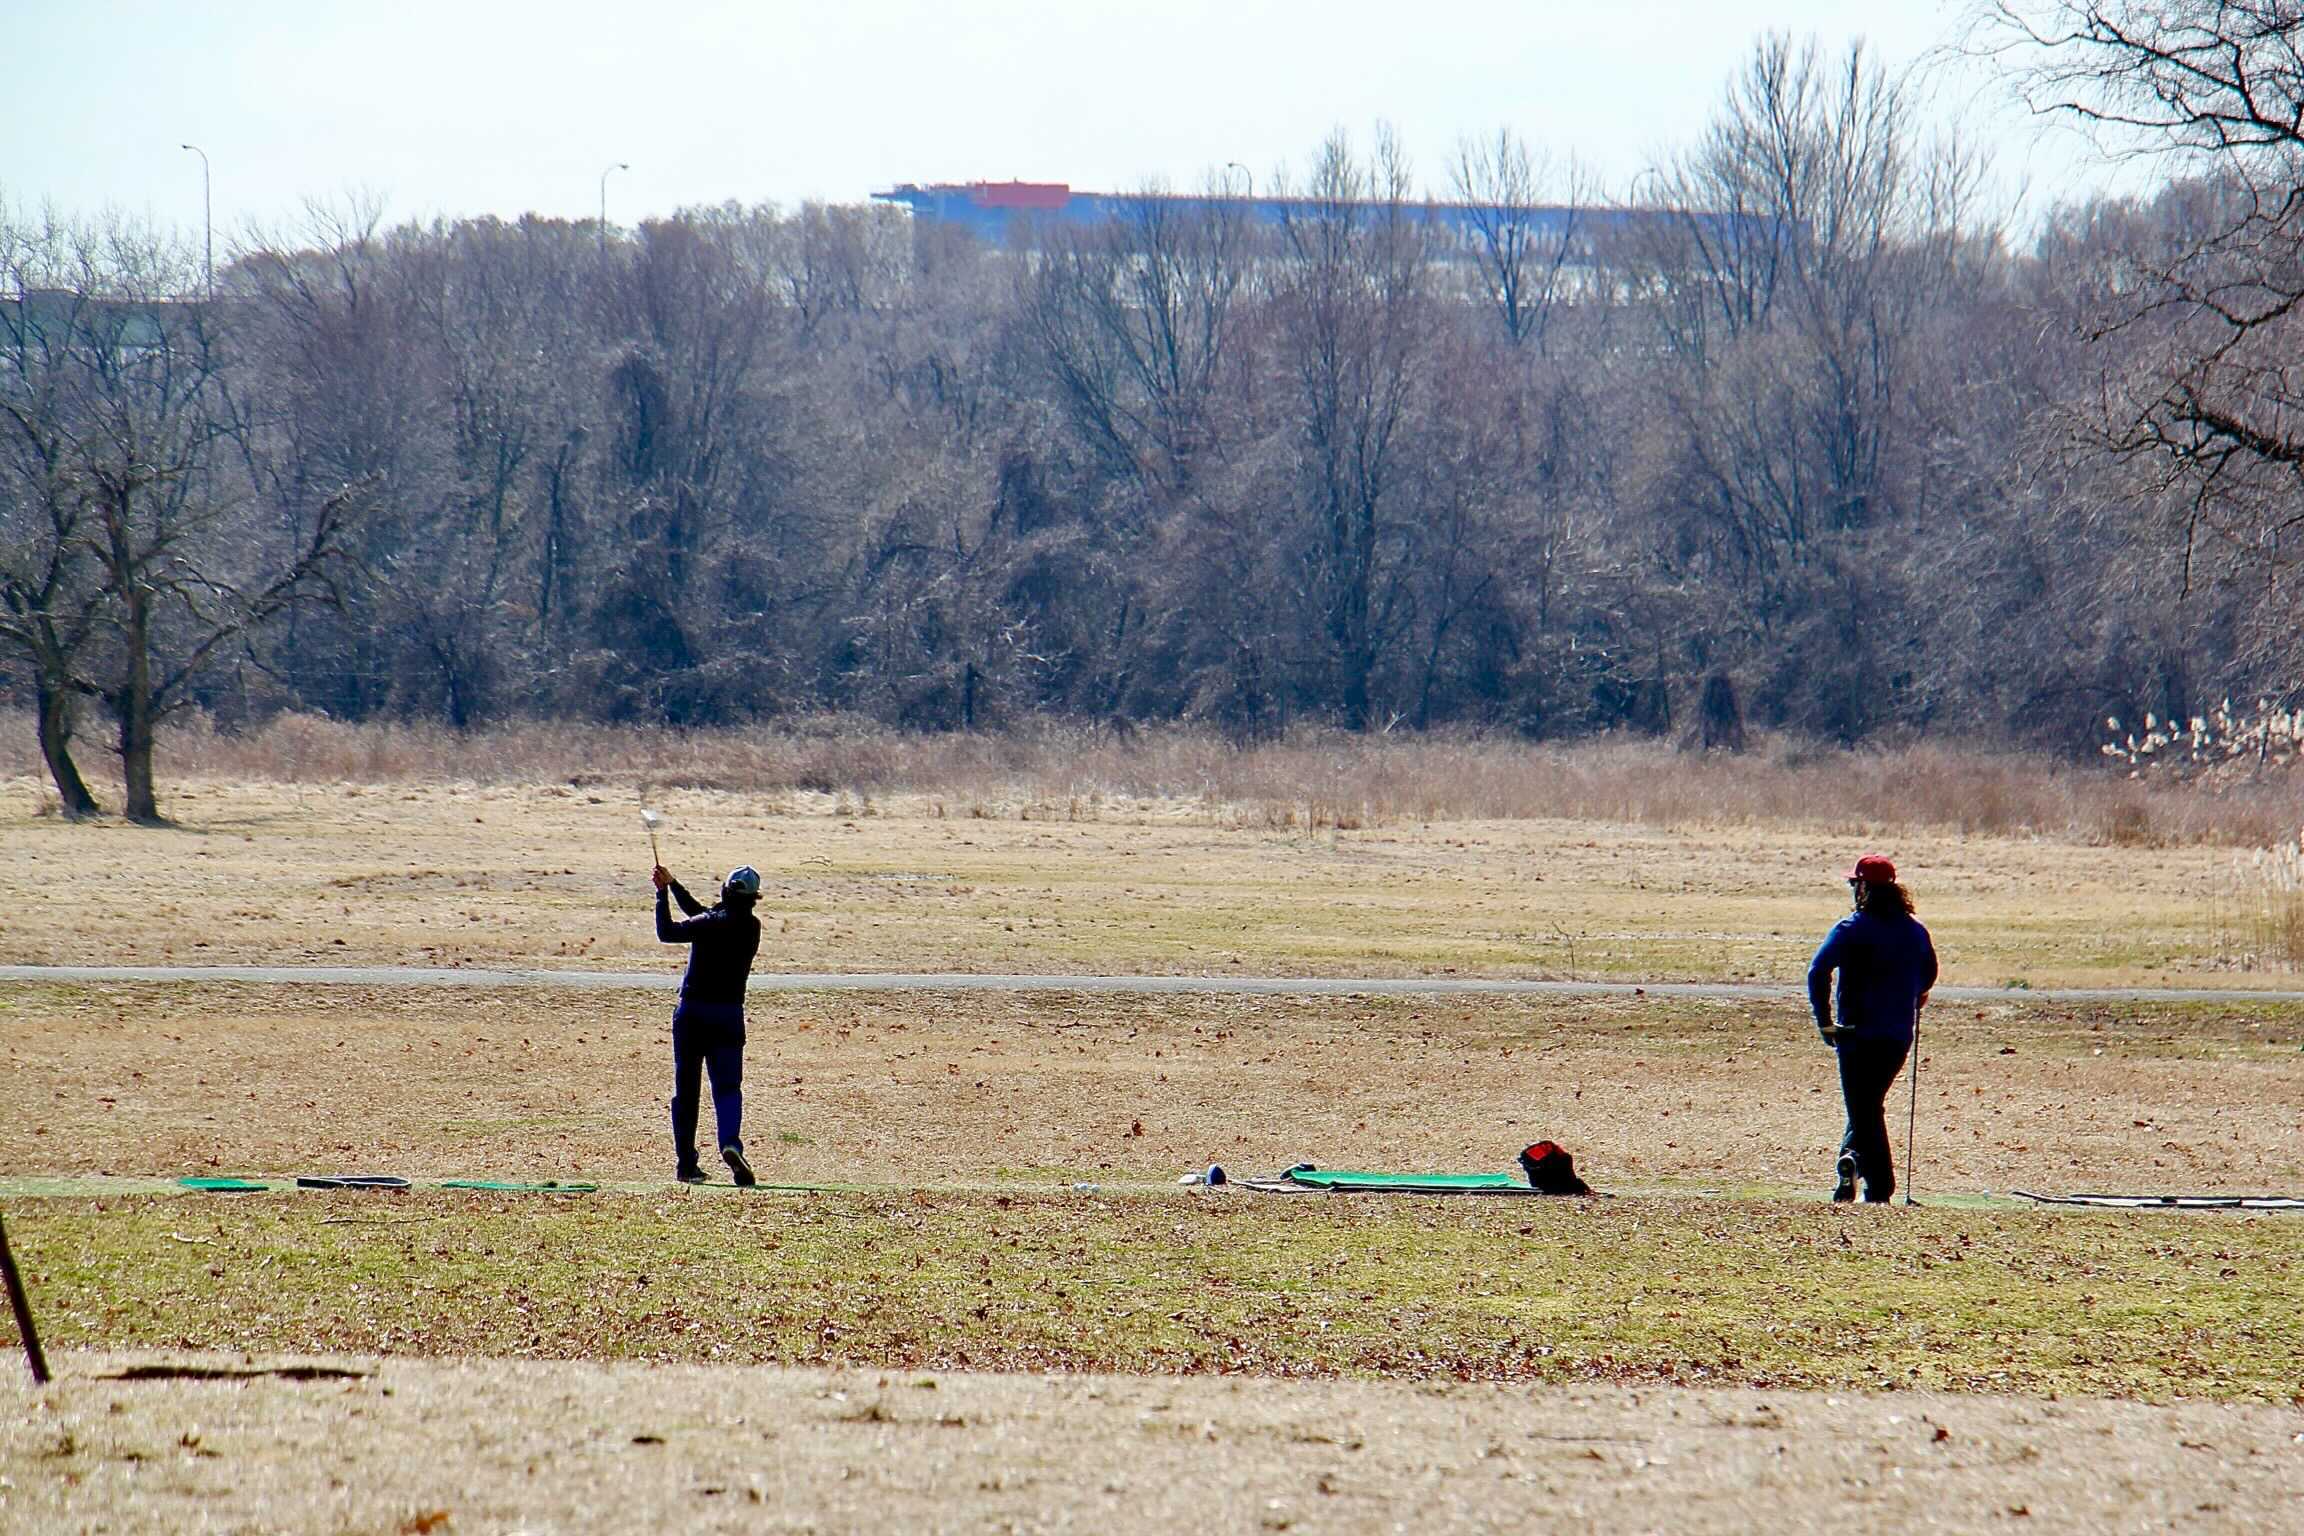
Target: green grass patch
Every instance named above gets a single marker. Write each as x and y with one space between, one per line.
1050 1173
1720 1292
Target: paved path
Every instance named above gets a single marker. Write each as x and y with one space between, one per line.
1302 986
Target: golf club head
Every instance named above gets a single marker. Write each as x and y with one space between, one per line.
651 819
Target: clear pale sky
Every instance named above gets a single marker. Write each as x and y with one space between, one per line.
506 106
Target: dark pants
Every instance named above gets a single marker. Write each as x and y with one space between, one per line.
707 1036
1868 1069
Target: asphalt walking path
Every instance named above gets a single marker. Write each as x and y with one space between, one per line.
953 981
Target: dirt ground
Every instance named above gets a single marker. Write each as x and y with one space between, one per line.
555 876
465 1447
905 1089
1042 1090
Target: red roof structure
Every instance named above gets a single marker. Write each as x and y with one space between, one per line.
1019 194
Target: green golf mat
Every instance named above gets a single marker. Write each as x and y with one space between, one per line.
240 1186
1426 1183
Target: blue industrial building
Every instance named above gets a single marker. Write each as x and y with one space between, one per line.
1001 211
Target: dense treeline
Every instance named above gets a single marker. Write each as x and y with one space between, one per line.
1828 458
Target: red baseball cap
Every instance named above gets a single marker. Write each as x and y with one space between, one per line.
1873 869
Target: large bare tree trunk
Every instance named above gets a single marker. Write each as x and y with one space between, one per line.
1719 719
55 706
1349 625
135 707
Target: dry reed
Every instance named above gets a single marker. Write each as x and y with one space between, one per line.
2258 920
1309 778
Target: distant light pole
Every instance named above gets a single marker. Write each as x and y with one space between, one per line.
1234 165
618 166
207 215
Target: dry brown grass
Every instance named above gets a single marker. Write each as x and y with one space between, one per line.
1040 1090
474 1446
520 876
463 859
1312 778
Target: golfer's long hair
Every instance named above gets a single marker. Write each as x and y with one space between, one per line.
1884 898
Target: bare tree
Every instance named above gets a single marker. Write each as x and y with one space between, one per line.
1532 465
53 606
1809 236
1354 328
1524 249
152 568
1812 184
1132 319
835 263
693 416
2204 406
338 386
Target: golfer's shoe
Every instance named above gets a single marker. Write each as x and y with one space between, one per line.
1845 1189
733 1155
690 1174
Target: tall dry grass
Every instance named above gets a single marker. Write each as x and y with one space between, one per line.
2257 919
1317 778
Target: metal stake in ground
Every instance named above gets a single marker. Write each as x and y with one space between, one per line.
1912 1114
23 1308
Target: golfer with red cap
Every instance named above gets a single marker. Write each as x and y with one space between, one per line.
1887 966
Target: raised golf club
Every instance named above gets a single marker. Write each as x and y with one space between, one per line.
652 820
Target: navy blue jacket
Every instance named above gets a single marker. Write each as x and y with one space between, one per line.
722 942
1886 966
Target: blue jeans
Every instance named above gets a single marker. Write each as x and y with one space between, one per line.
1868 1069
707 1036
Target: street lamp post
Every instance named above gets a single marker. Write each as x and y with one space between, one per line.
1234 165
618 166
207 216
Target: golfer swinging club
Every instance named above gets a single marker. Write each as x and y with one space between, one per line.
708 1024
1887 966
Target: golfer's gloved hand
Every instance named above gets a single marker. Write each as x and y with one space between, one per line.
661 876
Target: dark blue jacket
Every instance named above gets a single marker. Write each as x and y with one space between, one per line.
1886 966
722 942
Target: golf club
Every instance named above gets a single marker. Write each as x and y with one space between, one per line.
21 1305
1912 1114
652 820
